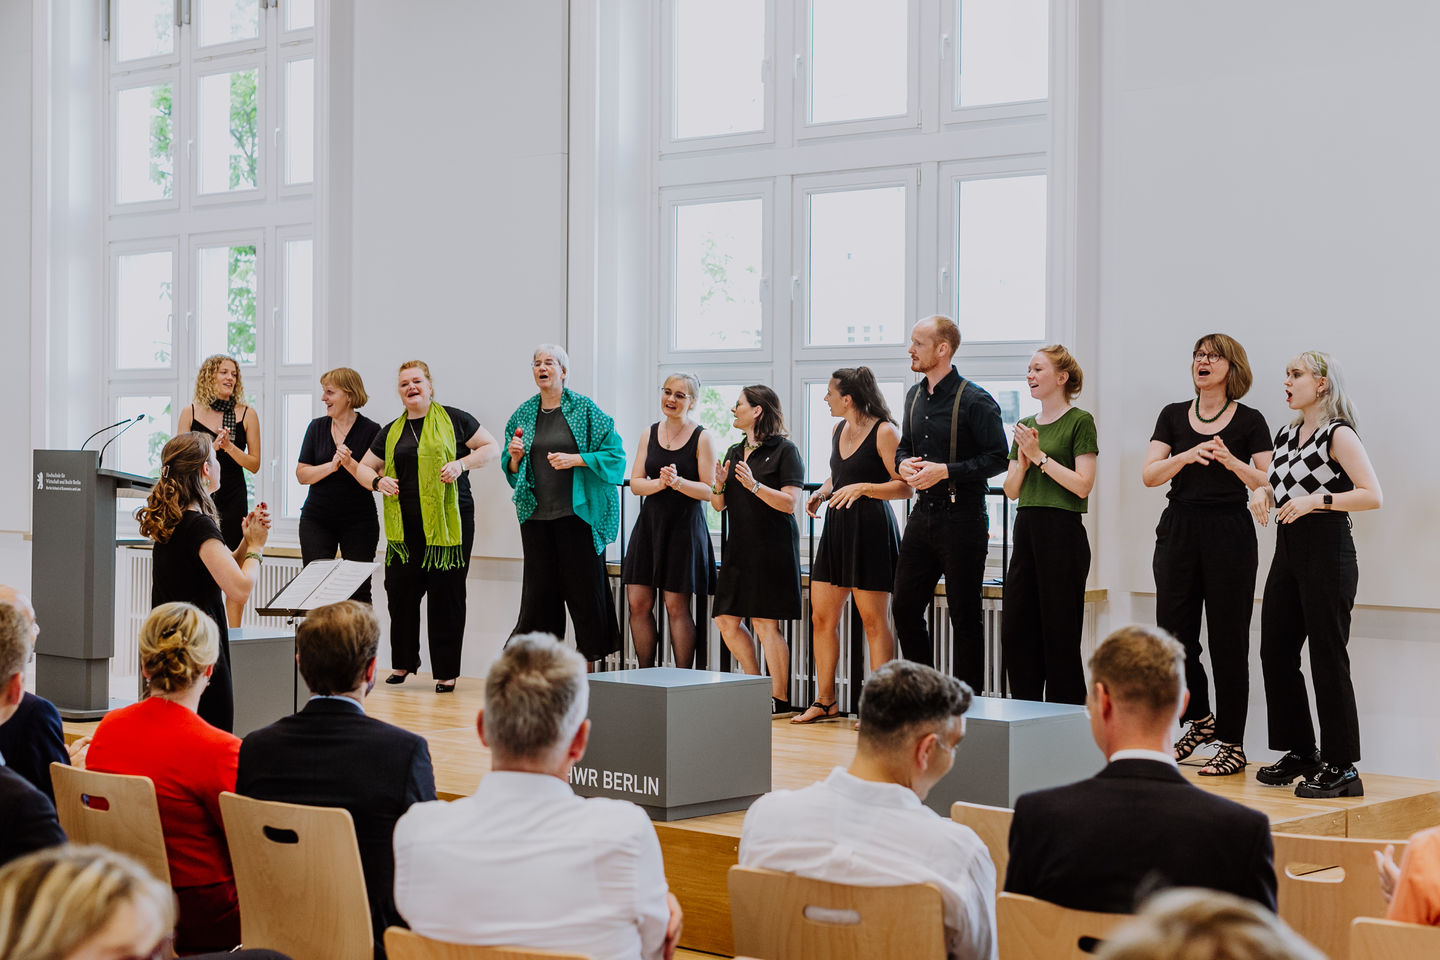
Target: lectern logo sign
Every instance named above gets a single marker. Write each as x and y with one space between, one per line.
56 481
39 480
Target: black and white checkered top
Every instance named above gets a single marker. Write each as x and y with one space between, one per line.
1300 469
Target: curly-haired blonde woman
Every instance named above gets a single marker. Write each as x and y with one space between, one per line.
191 562
191 763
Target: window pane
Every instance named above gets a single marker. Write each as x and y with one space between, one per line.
144 286
1000 276
859 59
298 412
857 266
142 28
298 323
222 21
1015 402
719 49
299 14
712 409
300 121
718 249
225 300
1004 52
227 131
144 143
820 426
139 447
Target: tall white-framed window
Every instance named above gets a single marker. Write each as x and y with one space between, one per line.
211 160
898 167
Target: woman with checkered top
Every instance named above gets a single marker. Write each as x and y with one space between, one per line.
1319 475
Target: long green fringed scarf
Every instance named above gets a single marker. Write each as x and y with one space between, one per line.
439 501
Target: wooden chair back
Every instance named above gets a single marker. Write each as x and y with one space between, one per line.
402 944
781 916
1374 939
299 880
992 825
113 810
1031 929
1324 883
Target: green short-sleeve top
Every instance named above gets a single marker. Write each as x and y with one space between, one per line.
1063 441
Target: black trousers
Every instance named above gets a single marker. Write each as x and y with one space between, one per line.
950 539
406 584
1044 609
562 570
1205 557
355 536
1309 593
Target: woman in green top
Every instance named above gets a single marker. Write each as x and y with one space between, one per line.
1052 468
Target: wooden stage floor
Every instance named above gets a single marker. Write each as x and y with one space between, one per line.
698 852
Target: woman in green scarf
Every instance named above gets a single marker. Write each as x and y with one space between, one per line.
419 463
565 461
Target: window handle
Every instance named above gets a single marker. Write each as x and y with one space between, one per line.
799 65
765 70
944 279
275 141
944 46
795 287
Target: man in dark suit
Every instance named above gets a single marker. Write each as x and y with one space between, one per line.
33 737
332 755
1138 825
27 817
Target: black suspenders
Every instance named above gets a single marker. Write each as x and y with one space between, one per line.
954 423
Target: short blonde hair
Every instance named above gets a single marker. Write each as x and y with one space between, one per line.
1335 403
420 365
1065 362
177 643
53 900
205 380
1240 377
17 632
536 697
1141 667
348 382
1193 924
946 330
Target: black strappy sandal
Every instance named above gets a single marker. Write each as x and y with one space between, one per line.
1229 759
828 711
1201 732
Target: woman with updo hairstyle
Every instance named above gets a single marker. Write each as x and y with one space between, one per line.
339 511
670 548
191 562
89 903
190 762
1052 470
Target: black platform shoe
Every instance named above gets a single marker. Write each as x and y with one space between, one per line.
1284 771
1331 781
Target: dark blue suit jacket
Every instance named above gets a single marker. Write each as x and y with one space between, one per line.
1137 826
332 755
27 818
31 739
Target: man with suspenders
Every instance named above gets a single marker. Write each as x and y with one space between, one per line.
951 444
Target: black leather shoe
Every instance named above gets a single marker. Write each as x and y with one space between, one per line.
1284 771
396 678
446 687
1331 781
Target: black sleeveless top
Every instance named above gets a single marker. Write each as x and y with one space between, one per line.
862 466
232 500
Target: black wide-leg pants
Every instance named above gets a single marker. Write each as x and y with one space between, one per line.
406 584
356 538
1043 614
1206 559
562 570
1309 594
950 539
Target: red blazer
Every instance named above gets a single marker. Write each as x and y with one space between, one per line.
191 762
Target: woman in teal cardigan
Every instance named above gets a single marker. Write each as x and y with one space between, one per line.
566 462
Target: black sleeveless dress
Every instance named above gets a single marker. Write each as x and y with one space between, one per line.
181 576
670 546
859 546
231 500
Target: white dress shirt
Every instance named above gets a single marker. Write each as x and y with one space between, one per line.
847 830
525 862
1136 753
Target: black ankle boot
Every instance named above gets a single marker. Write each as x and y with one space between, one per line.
1284 771
1332 780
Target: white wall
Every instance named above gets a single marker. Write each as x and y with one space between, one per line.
15 381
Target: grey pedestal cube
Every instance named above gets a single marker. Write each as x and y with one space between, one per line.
1015 746
266 681
679 743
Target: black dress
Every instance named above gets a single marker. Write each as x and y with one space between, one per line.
338 512
860 545
760 560
232 499
670 545
181 576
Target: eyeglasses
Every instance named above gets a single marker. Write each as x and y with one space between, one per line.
1202 357
669 394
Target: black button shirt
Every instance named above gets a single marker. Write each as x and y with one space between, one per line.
980 449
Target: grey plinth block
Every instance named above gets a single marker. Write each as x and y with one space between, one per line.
1015 746
262 669
679 743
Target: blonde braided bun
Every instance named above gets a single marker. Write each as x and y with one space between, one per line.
177 643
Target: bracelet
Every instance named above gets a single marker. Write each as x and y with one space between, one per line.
717 489
258 558
375 483
755 489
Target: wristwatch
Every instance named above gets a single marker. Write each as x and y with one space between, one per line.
1044 459
1329 501
375 484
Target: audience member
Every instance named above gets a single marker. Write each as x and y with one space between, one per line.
524 861
191 764
332 755
1138 825
868 825
89 903
1195 924
28 818
1413 887
34 737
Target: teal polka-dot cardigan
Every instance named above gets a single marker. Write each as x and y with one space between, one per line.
597 495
